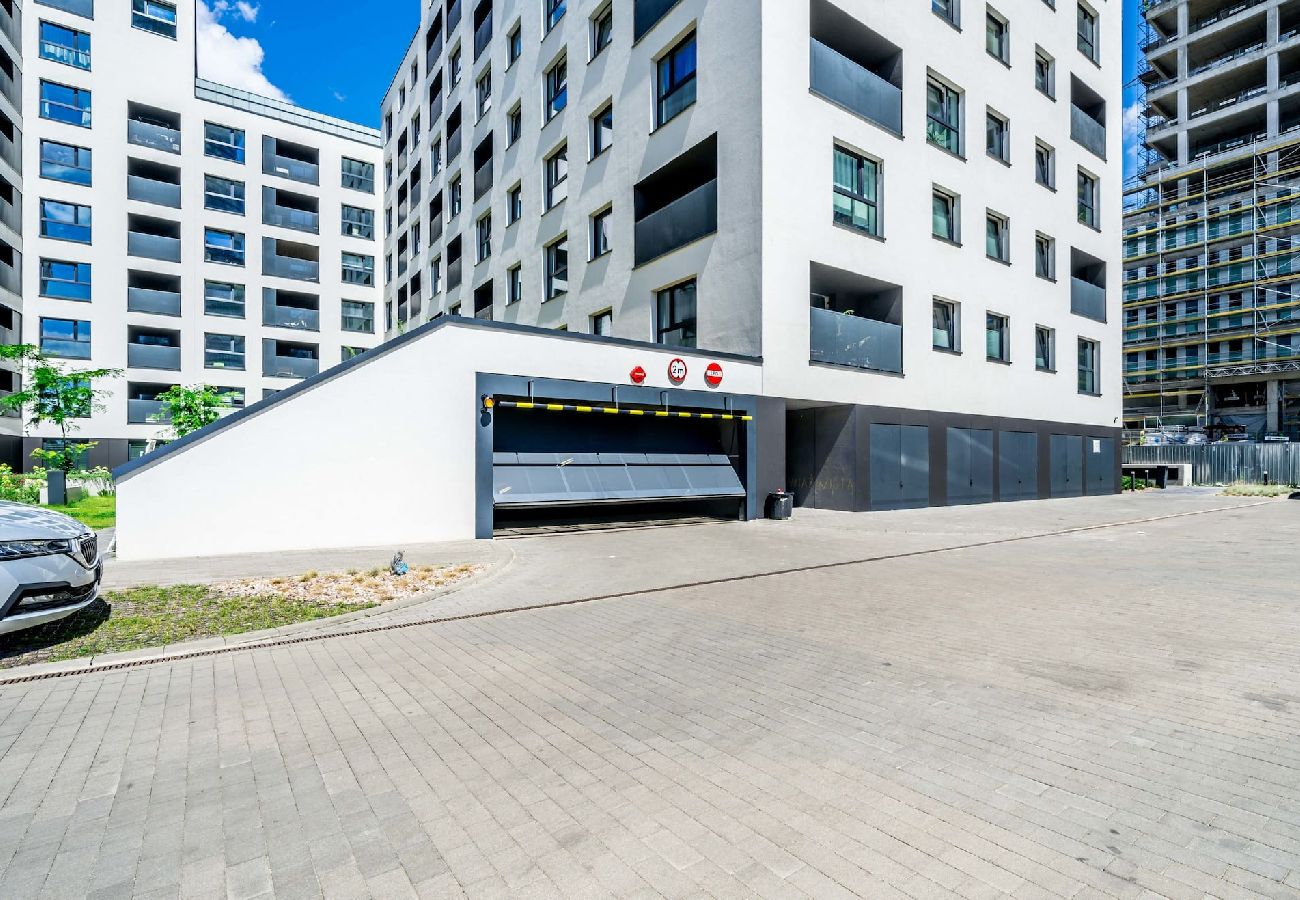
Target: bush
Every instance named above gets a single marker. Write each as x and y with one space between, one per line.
19 487
100 478
1132 483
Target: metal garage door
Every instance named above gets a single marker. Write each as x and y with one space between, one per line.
1099 466
1067 465
970 465
1017 465
900 466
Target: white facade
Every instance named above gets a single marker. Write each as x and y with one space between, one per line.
157 304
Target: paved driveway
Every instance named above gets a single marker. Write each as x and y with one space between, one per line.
968 702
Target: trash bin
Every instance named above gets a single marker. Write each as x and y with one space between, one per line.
1162 477
780 505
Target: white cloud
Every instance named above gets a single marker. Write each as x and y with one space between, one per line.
231 60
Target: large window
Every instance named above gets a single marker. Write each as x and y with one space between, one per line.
223 351
65 45
946 9
856 191
514 284
600 244
155 16
943 116
1044 72
226 247
1088 351
556 260
65 280
997 136
676 81
602 323
358 223
1044 165
945 327
221 298
1044 257
65 162
359 176
1044 349
997 237
483 237
675 315
997 39
602 130
944 220
61 103
514 204
65 221
997 337
223 194
554 12
358 269
358 316
602 29
556 172
224 142
1087 32
65 338
1088 200
557 88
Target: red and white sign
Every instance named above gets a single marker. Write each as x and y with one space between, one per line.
677 370
713 375
637 375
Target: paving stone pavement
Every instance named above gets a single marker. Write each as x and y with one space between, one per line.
1102 713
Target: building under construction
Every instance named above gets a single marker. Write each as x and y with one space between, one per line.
1212 222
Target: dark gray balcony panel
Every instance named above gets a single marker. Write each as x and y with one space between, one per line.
274 163
855 341
11 86
147 412
482 180
297 219
147 190
153 246
148 300
153 356
435 51
482 37
12 23
453 18
435 111
290 317
1087 131
157 137
9 150
454 274
453 145
647 13
686 219
11 280
288 366
856 88
290 267
1087 299
435 229
11 214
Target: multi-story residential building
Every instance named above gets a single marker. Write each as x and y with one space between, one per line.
1211 254
11 211
867 247
181 231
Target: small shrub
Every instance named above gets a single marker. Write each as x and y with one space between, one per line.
17 487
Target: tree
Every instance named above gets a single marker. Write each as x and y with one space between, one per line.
52 395
191 408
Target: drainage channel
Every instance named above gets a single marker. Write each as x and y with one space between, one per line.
641 592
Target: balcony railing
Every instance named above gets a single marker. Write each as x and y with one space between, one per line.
435 228
453 17
435 111
454 269
155 302
1087 299
147 412
147 190
11 214
289 366
12 24
290 317
11 86
153 356
290 267
85 8
1087 132
154 136
856 88
685 220
482 179
435 51
845 340
297 219
453 145
9 151
293 169
482 36
11 280
153 246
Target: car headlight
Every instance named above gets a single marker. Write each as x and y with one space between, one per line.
27 549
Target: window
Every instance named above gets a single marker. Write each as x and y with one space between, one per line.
947 10
514 45
223 194
223 142
554 13
454 195
1044 349
997 37
514 284
602 29
602 130
221 298
945 216
435 275
226 247
556 257
358 269
945 326
483 233
155 16
995 237
676 87
65 45
556 171
483 93
65 162
1088 351
223 351
358 223
65 280
1044 257
60 103
358 176
675 315
602 323
1044 165
600 233
1087 32
557 88
65 221
996 329
1088 200
856 182
346 353
514 125
435 158
514 204
943 116
1044 73
454 67
997 140
358 316
65 338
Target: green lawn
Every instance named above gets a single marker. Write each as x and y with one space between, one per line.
156 616
96 512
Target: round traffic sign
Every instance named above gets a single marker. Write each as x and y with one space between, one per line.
677 370
637 375
713 375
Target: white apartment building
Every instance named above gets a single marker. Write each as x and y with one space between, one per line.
11 205
869 246
179 230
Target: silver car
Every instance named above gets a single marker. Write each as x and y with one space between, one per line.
49 566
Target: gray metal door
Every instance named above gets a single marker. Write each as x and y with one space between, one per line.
900 466
970 465
1018 465
1100 466
1067 465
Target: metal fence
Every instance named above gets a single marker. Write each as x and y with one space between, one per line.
1225 463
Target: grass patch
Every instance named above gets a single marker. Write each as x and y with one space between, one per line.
1258 490
95 512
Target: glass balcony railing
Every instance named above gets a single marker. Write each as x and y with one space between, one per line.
293 169
147 190
153 356
1087 299
434 51
12 24
482 179
12 281
153 246
290 267
453 145
687 219
454 274
290 317
289 366
11 214
1087 132
154 136
845 340
482 36
11 87
453 17
297 219
856 88
147 412
155 302
9 150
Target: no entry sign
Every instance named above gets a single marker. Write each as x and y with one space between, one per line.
713 375
637 375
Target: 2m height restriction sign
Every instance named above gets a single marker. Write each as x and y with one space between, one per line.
677 370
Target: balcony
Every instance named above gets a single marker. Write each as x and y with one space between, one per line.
12 24
289 316
11 212
435 227
1087 299
454 274
453 145
683 221
153 356
153 136
286 217
11 280
432 54
278 159
147 412
482 179
435 111
277 366
290 267
153 246
153 301
9 151
856 88
147 190
1087 131
453 17
846 340
482 36
11 86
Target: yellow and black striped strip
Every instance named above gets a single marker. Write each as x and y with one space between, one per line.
613 410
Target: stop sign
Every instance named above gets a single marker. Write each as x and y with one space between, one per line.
713 375
677 370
